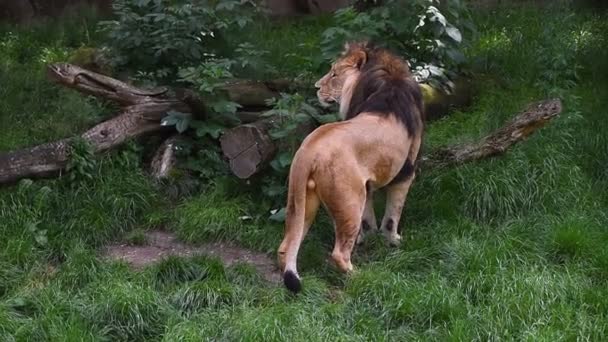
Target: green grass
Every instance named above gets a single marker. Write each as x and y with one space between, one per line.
510 248
34 110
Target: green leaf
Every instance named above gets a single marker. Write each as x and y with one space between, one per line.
169 121
454 33
309 109
456 56
279 134
274 190
279 216
182 125
302 117
327 118
276 165
270 113
224 106
31 226
212 129
285 159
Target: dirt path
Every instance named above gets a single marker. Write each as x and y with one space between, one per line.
161 244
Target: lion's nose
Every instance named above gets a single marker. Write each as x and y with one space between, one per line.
317 84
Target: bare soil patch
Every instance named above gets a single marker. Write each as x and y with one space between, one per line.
161 244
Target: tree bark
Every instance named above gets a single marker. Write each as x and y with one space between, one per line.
20 11
250 94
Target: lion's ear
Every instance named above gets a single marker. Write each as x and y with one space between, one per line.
359 58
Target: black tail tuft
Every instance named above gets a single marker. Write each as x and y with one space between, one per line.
292 282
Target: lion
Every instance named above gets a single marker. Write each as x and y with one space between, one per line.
341 164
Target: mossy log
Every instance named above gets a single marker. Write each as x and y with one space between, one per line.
438 103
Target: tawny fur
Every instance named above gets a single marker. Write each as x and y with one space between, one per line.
340 164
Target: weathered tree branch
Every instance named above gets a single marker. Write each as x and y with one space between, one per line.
535 116
92 83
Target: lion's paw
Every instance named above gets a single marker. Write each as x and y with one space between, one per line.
394 240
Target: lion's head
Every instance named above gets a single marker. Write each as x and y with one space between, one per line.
336 85
361 62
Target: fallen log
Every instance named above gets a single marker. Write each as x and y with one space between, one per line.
438 103
141 113
248 147
535 116
249 94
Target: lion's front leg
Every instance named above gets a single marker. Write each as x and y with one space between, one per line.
395 200
368 222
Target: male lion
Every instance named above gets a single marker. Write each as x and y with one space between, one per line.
342 163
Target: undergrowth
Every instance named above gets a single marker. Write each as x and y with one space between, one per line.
507 248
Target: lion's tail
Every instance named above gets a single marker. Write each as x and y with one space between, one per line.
300 186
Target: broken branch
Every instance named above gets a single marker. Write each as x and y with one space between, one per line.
535 116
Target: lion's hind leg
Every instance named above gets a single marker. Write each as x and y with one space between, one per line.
293 235
368 221
346 204
395 200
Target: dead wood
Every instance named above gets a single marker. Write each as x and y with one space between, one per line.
248 147
535 116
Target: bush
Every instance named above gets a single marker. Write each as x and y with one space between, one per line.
428 34
158 37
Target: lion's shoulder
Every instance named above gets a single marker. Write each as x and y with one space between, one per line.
386 87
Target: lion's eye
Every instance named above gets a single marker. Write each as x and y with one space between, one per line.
333 74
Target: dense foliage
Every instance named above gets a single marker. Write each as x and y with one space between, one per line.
429 34
160 37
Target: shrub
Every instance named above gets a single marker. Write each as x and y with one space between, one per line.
158 37
428 34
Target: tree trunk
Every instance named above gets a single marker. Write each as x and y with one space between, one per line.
20 11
